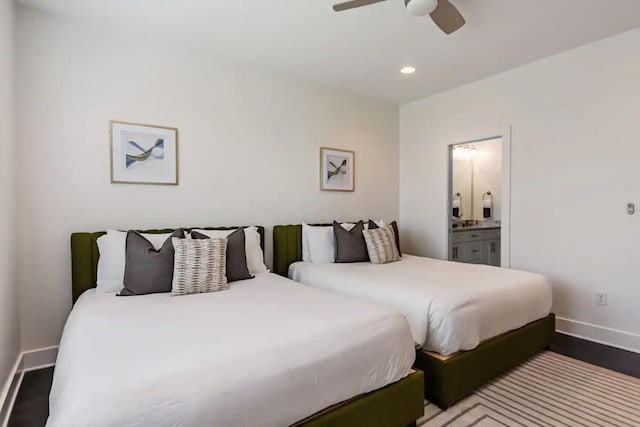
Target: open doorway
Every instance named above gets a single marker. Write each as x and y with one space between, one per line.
478 202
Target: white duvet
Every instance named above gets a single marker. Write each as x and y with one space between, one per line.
267 352
450 306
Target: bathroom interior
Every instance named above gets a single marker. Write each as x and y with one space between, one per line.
475 202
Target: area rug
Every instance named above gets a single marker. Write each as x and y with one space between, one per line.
548 390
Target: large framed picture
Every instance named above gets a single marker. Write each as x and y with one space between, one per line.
336 169
144 154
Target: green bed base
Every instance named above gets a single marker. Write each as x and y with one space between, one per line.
451 379
446 381
397 405
84 256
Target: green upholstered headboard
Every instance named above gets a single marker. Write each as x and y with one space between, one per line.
84 256
287 247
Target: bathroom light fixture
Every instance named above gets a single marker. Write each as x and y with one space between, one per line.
408 70
464 151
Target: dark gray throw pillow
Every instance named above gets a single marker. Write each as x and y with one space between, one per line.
236 255
147 270
350 244
394 225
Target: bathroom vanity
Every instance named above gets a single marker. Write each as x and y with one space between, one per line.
476 245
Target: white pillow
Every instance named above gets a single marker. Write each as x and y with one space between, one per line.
255 256
112 248
346 225
318 243
306 256
110 264
322 246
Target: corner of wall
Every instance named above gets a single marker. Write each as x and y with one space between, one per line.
9 287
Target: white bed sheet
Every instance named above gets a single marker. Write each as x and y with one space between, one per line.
267 352
450 306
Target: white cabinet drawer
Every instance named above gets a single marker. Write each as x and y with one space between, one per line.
476 246
472 252
467 252
475 235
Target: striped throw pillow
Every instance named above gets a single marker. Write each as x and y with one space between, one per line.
381 245
199 266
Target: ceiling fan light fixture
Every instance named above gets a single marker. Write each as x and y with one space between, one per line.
408 70
420 7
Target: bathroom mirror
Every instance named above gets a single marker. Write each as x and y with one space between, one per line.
462 184
476 180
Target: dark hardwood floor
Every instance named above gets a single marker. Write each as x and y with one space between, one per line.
625 362
32 404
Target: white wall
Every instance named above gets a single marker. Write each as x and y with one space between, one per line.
9 326
249 148
574 166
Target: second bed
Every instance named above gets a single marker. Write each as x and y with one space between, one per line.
469 322
450 306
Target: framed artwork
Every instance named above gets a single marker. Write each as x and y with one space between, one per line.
336 169
144 154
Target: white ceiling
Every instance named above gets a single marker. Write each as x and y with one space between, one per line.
363 49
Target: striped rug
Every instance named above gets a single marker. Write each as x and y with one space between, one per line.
548 390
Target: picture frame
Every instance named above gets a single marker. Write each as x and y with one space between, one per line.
143 154
337 170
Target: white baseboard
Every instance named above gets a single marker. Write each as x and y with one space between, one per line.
10 391
600 334
26 361
39 359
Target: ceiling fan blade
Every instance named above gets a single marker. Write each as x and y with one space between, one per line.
353 4
447 17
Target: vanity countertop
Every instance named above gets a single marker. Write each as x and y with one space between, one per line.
476 227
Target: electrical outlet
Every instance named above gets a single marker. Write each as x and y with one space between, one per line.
601 298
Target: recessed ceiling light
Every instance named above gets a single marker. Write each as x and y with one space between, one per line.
408 70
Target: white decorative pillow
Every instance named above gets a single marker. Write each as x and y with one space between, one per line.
381 245
199 266
112 249
322 245
255 256
306 228
110 275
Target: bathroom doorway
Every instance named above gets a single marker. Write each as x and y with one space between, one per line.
479 201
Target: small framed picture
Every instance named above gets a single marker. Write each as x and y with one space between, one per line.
144 154
336 169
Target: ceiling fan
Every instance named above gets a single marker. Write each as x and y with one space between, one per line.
443 13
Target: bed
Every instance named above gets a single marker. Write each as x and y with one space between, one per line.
266 352
469 322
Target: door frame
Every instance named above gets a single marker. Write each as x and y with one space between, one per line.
505 221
